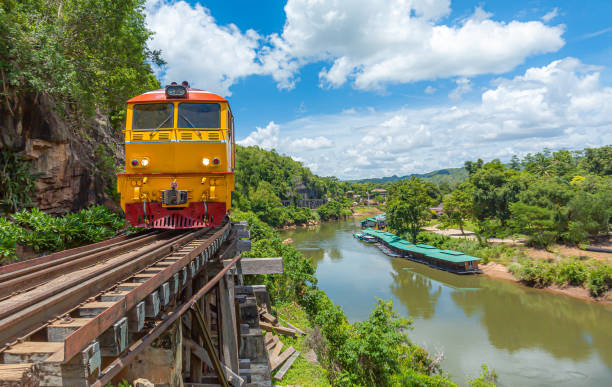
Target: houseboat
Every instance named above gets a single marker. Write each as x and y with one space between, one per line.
449 260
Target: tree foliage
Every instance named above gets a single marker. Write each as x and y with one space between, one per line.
84 54
408 207
548 196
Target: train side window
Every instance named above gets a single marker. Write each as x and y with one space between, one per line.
153 116
199 115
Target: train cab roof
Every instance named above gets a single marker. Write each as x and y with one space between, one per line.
193 95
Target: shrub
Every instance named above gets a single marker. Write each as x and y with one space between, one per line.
44 232
571 273
16 180
9 235
600 279
486 379
537 274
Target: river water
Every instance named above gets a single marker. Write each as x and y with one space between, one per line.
529 337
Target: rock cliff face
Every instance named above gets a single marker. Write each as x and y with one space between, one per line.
62 153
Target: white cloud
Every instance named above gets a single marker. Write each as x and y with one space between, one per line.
369 43
306 143
377 42
197 49
430 90
464 85
266 138
560 106
551 15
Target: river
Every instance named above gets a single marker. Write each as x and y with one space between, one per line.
529 337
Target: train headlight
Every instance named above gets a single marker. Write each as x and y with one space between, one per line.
144 162
205 162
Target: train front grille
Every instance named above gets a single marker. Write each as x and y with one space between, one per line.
173 197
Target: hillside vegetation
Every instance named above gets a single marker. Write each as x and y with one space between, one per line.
448 176
264 178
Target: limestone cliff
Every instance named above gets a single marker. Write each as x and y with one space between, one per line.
62 152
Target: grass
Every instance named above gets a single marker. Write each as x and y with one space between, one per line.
301 372
366 210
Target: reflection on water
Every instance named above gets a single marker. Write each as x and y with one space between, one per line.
529 337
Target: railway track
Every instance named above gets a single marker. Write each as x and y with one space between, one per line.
65 312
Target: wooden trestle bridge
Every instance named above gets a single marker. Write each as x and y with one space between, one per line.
167 306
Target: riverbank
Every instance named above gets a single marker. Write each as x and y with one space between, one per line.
499 271
356 212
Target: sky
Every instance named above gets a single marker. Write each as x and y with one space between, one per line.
373 88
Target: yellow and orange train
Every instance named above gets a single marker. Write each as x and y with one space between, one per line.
179 159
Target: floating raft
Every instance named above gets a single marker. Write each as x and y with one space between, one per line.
449 260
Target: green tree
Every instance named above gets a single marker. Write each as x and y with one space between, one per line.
85 55
598 160
266 204
458 206
534 221
408 207
495 187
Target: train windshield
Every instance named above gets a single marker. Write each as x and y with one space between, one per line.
199 115
153 116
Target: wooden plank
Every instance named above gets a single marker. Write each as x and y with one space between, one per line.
272 343
298 330
268 337
269 318
277 349
281 373
278 329
276 362
18 374
260 265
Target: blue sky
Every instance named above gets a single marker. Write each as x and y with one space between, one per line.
368 88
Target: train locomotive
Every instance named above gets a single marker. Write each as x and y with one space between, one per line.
179 159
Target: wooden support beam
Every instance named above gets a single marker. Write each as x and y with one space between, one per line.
260 265
201 353
281 373
228 322
210 349
276 329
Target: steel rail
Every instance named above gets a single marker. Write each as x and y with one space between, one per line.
37 274
64 253
76 341
19 318
121 362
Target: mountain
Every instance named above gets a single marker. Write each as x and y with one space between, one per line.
449 175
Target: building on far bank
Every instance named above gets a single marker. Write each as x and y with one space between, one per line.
379 191
438 210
